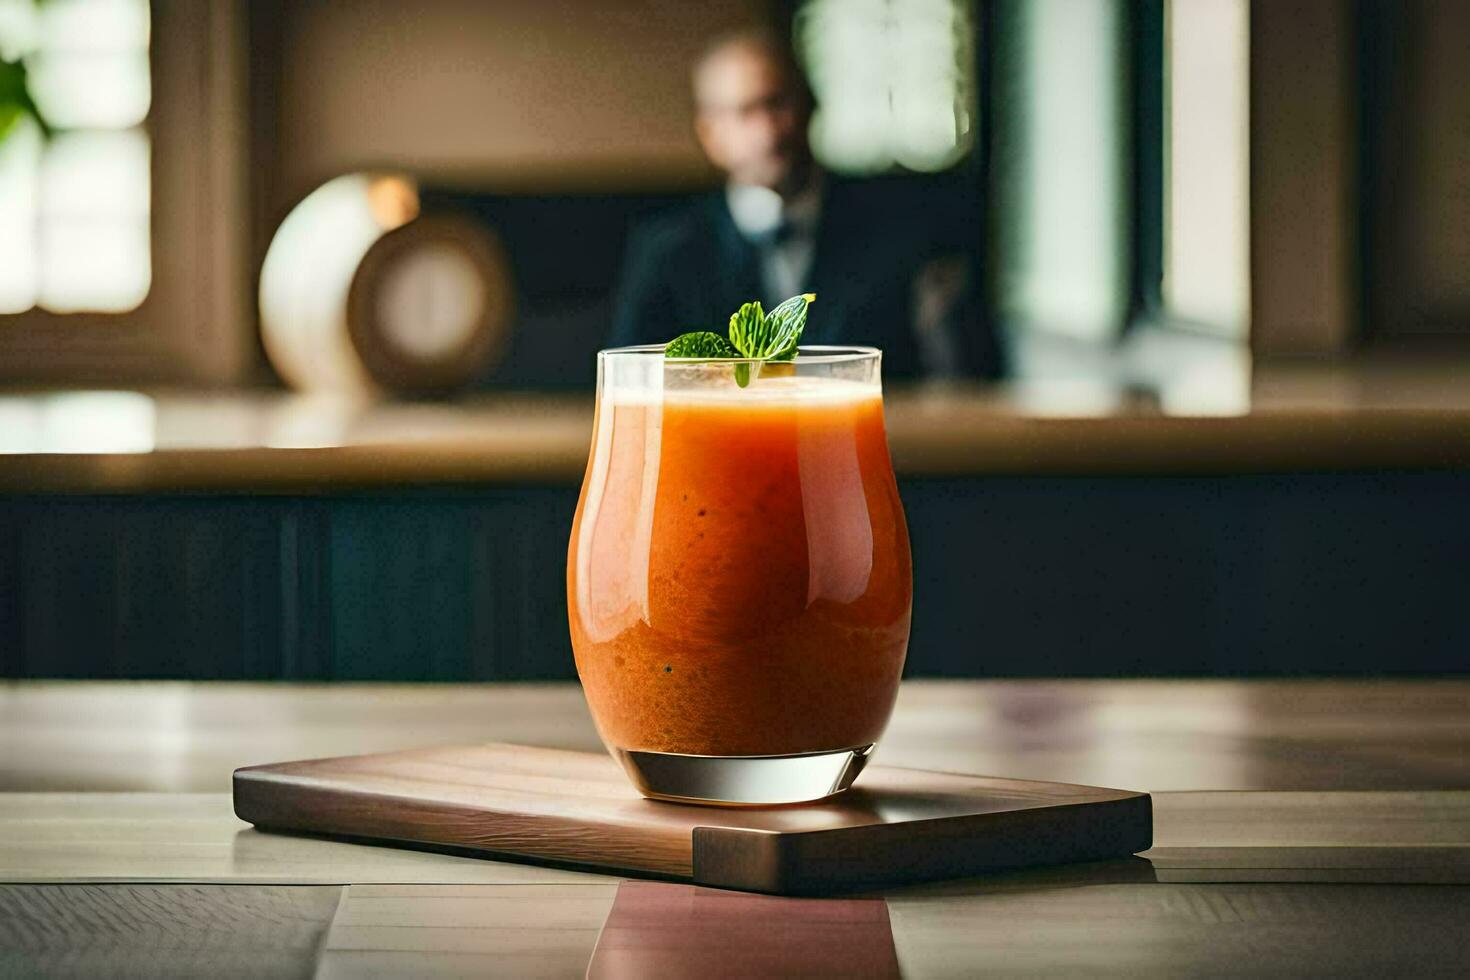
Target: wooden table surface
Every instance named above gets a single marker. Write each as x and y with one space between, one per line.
1302 827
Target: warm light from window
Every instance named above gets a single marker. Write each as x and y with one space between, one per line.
74 209
894 81
1206 233
1062 168
78 422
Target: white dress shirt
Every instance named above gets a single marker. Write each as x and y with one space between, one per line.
783 231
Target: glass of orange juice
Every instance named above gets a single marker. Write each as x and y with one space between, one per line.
738 579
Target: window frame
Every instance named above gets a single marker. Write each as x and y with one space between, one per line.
192 326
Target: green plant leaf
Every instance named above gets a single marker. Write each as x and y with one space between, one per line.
747 328
754 334
770 336
15 98
787 321
700 344
10 115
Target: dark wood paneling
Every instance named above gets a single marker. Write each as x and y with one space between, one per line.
12 607
66 589
445 588
1281 574
1235 575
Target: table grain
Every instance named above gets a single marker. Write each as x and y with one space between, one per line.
1150 735
1302 828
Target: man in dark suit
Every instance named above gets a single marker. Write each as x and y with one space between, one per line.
891 261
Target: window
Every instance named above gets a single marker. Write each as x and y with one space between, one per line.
1061 152
121 257
894 81
1120 158
1206 278
74 206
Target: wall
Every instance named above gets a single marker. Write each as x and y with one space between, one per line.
509 93
1303 220
1419 254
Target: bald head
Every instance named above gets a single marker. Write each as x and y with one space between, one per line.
751 111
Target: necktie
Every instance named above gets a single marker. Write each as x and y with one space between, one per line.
774 237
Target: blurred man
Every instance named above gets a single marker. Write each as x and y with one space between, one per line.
884 258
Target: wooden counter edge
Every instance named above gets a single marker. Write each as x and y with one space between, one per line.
977 446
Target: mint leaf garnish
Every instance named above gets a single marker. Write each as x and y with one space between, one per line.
770 336
754 334
785 323
747 324
702 343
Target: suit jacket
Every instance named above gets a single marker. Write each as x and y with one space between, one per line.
691 269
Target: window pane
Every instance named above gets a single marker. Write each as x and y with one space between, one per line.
94 265
93 25
91 88
17 28
94 221
95 174
1061 137
74 207
1207 239
20 153
894 80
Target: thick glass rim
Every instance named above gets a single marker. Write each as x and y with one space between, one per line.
814 354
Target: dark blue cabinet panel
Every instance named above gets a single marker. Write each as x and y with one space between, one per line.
1350 573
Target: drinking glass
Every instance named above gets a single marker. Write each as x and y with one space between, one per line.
738 579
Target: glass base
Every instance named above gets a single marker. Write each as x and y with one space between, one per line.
743 780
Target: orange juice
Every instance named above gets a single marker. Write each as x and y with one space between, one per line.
738 578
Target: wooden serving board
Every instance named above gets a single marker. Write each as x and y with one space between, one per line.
515 802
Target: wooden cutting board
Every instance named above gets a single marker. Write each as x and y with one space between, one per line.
515 802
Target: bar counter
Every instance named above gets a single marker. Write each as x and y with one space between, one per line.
1324 417
1299 517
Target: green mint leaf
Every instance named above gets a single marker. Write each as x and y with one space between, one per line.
747 328
770 336
788 321
703 343
754 334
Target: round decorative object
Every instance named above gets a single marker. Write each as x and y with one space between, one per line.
430 306
360 292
